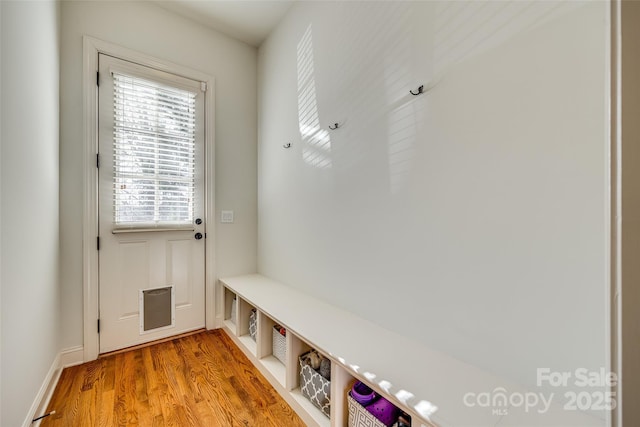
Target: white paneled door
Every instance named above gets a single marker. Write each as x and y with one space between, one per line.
151 204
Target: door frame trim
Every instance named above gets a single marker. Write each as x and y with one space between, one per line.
92 47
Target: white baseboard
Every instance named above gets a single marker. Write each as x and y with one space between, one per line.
72 356
69 357
50 378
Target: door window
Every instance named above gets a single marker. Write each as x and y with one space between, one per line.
154 153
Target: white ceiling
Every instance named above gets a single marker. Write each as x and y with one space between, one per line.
248 20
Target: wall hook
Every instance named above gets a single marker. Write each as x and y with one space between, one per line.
287 145
335 126
420 91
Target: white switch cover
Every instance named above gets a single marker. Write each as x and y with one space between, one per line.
226 216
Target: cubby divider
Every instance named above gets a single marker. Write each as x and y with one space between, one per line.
242 327
265 356
228 308
295 348
263 338
341 382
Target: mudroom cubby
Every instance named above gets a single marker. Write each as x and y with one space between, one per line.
265 349
242 326
230 309
298 347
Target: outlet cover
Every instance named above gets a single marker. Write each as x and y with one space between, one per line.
226 216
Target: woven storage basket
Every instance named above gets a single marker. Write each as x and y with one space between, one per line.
279 348
253 327
315 387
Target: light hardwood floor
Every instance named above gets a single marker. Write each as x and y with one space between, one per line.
198 380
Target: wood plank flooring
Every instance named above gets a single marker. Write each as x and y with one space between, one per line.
198 380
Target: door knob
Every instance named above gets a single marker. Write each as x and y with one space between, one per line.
198 221
198 236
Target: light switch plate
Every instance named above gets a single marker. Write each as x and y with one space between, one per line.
226 216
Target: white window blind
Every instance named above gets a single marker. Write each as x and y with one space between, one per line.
154 153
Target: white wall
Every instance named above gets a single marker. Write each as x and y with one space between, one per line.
29 177
629 297
149 29
474 217
1 98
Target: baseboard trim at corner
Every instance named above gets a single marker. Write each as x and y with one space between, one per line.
72 356
44 392
66 358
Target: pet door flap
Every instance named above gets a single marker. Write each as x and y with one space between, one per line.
156 308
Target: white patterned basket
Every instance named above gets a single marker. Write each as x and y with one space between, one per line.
315 387
253 328
279 348
360 417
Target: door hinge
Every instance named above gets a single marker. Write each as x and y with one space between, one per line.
97 160
98 78
203 86
98 325
98 242
205 235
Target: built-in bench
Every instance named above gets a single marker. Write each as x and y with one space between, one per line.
413 377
